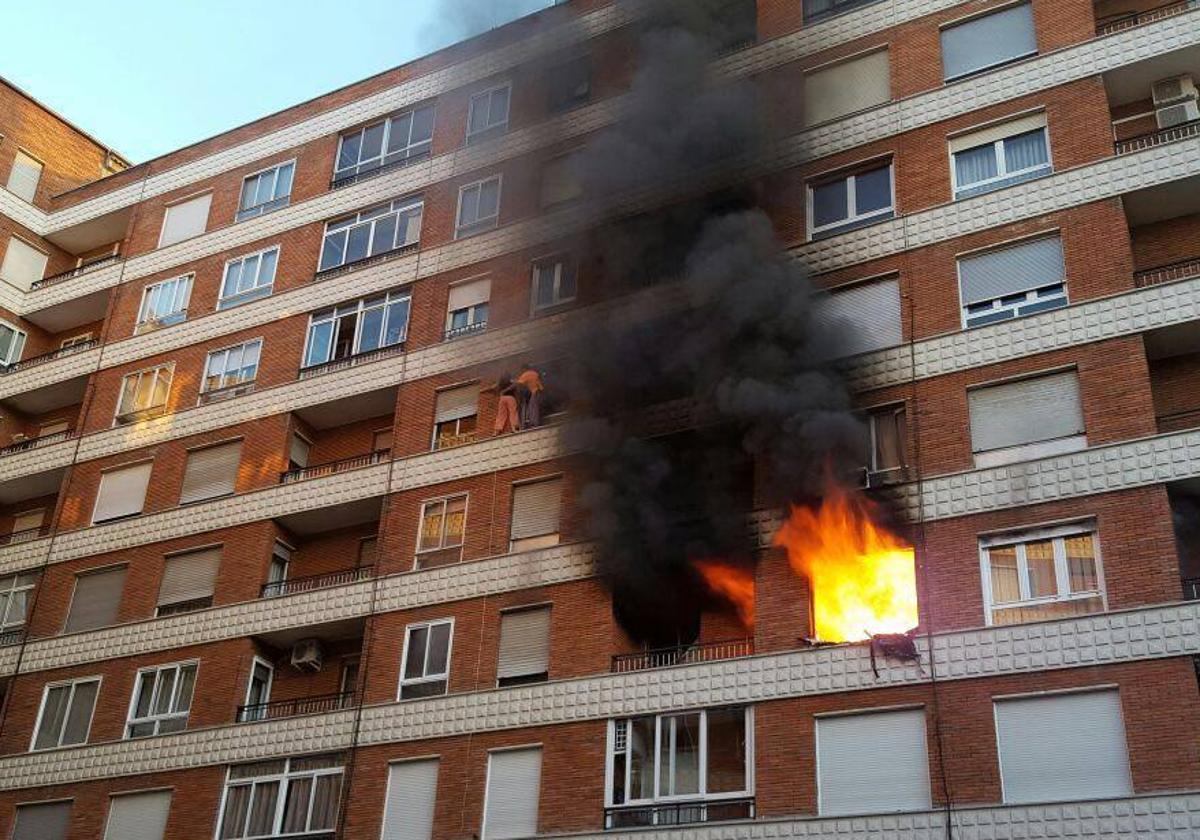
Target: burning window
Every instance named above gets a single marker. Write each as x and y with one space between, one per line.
1044 574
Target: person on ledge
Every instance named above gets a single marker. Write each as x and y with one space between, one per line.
507 414
529 390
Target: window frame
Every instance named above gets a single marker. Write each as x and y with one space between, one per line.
177 203
492 129
7 625
258 290
853 220
16 348
255 661
169 367
208 361
425 678
158 719
1003 177
443 501
331 314
349 221
284 780
145 324
968 18
462 231
1033 295
356 170
891 409
98 679
560 260
277 202
22 151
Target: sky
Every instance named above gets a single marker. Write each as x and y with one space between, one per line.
146 77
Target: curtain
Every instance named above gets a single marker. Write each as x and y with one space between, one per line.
1026 151
1003 562
237 802
974 165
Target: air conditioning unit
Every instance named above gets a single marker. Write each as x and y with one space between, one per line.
1177 114
1172 90
307 654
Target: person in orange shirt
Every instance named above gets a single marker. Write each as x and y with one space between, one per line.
507 415
529 385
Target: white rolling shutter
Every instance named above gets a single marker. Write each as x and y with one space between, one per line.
185 220
24 176
298 450
513 789
847 87
23 264
189 577
535 508
211 472
138 816
42 821
988 40
869 314
96 599
1025 411
456 403
471 293
1007 271
872 763
411 795
1062 747
122 492
524 643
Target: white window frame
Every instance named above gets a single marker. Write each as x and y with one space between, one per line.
561 262
852 219
225 352
492 129
1053 291
405 156
145 322
1058 534
254 662
951 24
332 314
260 288
6 622
397 207
480 225
179 201
273 203
1002 172
98 679
443 501
155 371
426 677
17 347
157 719
285 780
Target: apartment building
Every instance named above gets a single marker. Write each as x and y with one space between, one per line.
267 572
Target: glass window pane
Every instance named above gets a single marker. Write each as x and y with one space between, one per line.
726 750
320 339
398 132
418 637
79 716
372 146
237 804
686 775
397 322
469 209
1039 559
356 246
1081 563
439 649
641 758
333 251
348 156
566 281
183 692
1005 586
262 809
145 692
873 190
489 198
385 235
829 203
370 329
1026 151
54 712
249 193
295 808
499 109
283 181
266 271
422 129
431 526
325 802
166 688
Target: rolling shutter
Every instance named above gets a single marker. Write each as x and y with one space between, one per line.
23 264
122 492
456 403
138 816
524 643
211 472
1026 411
847 87
535 508
42 821
1007 271
988 40
96 599
411 794
185 220
1012 128
513 789
471 293
189 577
24 176
1062 747
870 313
872 763
28 520
298 450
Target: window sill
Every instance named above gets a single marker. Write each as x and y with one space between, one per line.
1030 451
1003 183
846 227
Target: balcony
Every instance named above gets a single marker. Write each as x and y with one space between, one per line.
37 442
317 704
322 581
357 177
63 276
679 813
350 361
1191 589
1159 137
1167 273
469 329
386 256
1109 24
682 655
332 467
12 637
34 361
26 534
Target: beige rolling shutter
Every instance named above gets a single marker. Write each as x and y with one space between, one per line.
991 134
847 87
42 821
211 472
185 220
471 293
535 508
1025 411
23 264
29 520
24 176
138 816
869 313
875 762
456 403
96 599
298 450
524 643
514 784
411 795
189 577
122 492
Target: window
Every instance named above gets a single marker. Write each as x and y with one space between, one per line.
870 314
553 282
12 343
42 821
1043 574
368 551
987 41
467 310
24 176
96 599
569 85
162 698
397 140
699 756
817 9
1012 281
1062 747
211 472
248 278
282 797
258 690
188 580
560 181
66 713
846 202
514 785
232 366
138 816
535 513
122 492
372 232
23 264
144 394
888 428
1029 418
455 416
277 570
1000 157
478 207
488 114
425 666
355 328
443 522
265 191
164 303
872 762
185 220
75 341
524 655
847 87
381 440
299 449
16 591
408 805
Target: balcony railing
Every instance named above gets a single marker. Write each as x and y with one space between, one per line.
181 607
1118 23
1191 589
63 276
355 177
12 637
469 329
350 361
366 261
25 535
1158 138
682 655
300 706
1167 273
321 581
1178 421
331 467
228 392
37 442
679 813
34 361
460 439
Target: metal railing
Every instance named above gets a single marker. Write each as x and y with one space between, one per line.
1157 138
181 607
1177 421
1166 273
350 361
679 813
26 534
330 467
356 177
1119 23
366 261
451 441
62 276
1191 589
469 329
299 706
682 655
322 581
37 442
12 637
34 361
228 392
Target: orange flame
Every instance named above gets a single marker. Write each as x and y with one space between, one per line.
734 583
862 578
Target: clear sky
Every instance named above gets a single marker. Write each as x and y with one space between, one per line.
150 76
